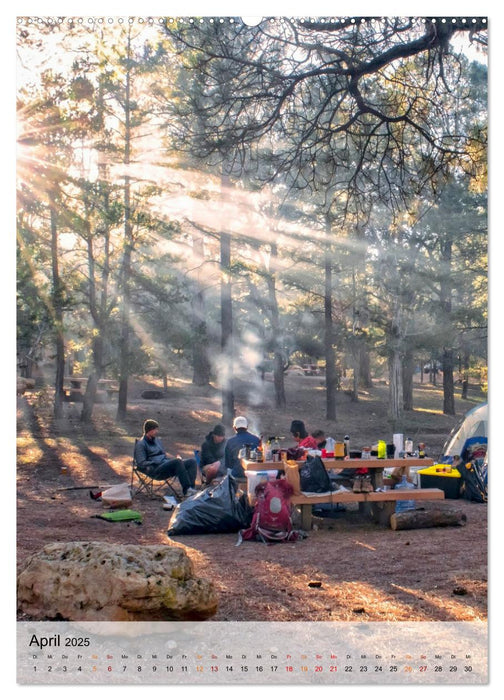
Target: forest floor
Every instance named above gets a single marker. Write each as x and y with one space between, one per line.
366 572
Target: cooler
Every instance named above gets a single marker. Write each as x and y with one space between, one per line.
441 476
256 478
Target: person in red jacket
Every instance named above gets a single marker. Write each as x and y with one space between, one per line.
300 435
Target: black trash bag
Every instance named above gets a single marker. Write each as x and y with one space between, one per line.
473 485
313 476
216 509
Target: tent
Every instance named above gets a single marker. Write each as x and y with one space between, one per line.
474 425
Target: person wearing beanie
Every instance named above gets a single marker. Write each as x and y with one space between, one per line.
212 453
152 460
233 446
300 435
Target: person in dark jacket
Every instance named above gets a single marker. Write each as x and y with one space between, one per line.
212 453
234 445
151 459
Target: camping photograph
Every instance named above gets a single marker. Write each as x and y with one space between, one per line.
252 319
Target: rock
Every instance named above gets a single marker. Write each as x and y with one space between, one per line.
460 590
102 581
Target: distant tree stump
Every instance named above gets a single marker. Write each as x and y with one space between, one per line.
434 517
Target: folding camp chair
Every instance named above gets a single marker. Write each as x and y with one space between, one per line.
143 483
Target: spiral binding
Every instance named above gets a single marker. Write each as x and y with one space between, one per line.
240 21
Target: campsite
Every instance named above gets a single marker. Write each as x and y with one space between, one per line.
348 569
278 227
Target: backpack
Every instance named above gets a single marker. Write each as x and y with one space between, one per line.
473 487
474 448
271 521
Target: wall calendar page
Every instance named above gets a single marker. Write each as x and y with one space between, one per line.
252 355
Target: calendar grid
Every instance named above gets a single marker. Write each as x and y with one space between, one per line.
244 652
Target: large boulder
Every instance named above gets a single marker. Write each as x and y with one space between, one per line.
102 581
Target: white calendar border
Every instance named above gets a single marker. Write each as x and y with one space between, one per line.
271 8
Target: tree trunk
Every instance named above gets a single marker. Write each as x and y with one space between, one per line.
99 307
200 358
448 385
356 370
330 360
355 344
414 519
92 383
407 377
278 364
365 367
122 401
395 370
396 391
227 355
446 306
58 318
201 362
465 375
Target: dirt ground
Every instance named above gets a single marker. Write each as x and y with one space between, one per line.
348 569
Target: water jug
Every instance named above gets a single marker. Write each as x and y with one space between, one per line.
329 446
401 506
398 440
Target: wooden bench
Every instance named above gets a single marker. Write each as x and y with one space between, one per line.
381 504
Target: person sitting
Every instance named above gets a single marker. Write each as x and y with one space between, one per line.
233 446
212 453
300 435
320 439
152 460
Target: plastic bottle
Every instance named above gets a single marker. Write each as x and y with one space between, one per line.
268 453
330 442
346 440
408 446
401 506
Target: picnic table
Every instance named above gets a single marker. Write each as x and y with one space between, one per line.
74 388
380 504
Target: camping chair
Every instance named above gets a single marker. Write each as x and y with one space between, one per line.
141 482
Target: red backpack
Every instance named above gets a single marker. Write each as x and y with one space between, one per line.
271 521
